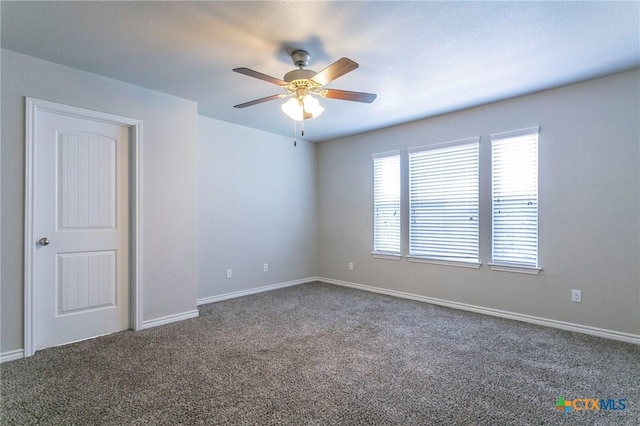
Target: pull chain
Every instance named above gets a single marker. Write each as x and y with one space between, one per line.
295 130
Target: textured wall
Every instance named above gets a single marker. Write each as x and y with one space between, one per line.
168 188
256 205
589 207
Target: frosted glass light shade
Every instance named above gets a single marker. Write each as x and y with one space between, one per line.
312 106
294 109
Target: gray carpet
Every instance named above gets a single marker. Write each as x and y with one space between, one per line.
322 354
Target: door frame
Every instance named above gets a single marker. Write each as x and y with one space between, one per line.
33 107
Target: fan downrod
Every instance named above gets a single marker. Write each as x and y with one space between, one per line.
301 76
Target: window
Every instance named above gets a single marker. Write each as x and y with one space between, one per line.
386 203
443 202
514 162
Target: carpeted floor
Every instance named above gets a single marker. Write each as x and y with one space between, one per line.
322 354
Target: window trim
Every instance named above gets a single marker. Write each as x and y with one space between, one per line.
386 255
382 254
515 133
412 257
445 262
512 266
503 267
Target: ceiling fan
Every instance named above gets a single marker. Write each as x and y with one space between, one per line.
304 86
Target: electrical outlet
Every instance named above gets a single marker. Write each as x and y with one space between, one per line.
265 267
229 273
351 266
576 296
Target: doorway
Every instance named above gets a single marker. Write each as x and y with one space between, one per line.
82 224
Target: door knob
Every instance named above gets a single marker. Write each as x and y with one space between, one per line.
44 241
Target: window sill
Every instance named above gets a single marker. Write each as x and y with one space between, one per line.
514 268
458 263
388 256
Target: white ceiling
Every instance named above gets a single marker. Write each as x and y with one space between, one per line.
421 58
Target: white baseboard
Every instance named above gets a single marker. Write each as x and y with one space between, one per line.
585 329
169 319
19 353
11 355
232 295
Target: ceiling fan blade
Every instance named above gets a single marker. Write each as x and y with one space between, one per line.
259 75
335 70
346 95
261 100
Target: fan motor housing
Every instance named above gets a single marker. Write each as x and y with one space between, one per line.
299 75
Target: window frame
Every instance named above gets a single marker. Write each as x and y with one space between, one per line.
498 263
378 252
452 260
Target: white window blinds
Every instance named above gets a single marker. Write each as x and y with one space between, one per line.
443 201
514 163
386 203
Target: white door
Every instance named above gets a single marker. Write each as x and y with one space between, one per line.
81 229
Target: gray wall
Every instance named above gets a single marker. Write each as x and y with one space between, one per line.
169 182
589 210
256 205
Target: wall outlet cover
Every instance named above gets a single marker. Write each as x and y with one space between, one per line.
576 296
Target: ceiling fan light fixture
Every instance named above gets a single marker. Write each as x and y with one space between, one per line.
295 109
312 106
